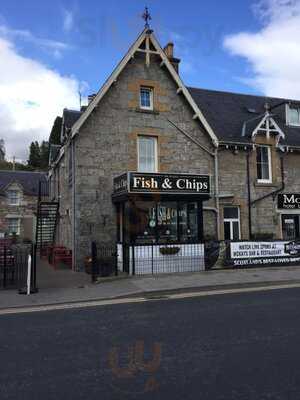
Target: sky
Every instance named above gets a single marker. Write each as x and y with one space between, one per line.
52 50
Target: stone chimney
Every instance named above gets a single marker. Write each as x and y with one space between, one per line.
169 52
91 97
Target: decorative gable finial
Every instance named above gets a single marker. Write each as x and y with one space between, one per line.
147 17
267 107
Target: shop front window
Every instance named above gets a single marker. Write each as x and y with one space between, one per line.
188 222
164 222
167 227
144 221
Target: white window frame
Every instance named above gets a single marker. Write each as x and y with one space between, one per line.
269 180
232 220
151 98
18 202
19 226
155 153
288 119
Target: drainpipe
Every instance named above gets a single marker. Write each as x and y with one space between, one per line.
249 196
213 154
217 198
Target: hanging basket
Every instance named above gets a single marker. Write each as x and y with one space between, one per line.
169 250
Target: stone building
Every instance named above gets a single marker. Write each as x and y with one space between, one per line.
18 203
2 153
153 161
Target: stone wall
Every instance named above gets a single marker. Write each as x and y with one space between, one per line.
25 212
106 146
234 191
61 191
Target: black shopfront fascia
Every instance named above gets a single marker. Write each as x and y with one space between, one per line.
166 191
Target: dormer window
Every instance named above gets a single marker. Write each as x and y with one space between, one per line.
13 197
293 115
146 98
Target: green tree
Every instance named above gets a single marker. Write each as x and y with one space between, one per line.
54 137
34 155
8 166
44 155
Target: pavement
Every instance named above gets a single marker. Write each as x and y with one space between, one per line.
65 286
229 347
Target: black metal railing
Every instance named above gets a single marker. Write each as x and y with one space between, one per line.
163 258
103 261
43 190
14 266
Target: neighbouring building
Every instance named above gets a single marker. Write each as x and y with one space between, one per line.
2 154
153 161
18 203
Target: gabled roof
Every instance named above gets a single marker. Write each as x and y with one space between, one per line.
151 43
268 126
227 113
28 180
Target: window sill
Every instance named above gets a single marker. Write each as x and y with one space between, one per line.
144 110
265 184
293 125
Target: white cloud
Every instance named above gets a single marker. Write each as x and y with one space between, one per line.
188 63
68 20
274 51
52 46
31 96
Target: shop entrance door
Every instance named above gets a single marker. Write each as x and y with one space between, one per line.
290 227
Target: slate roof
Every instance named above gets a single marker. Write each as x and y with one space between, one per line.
226 113
54 152
70 117
28 180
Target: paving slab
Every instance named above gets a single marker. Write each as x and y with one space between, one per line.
73 287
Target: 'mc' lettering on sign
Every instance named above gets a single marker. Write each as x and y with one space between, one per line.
289 201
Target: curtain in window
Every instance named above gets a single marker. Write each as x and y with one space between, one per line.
262 159
147 162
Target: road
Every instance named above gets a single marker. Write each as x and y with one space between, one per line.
237 346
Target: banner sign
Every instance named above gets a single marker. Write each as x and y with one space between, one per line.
136 182
288 201
263 253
